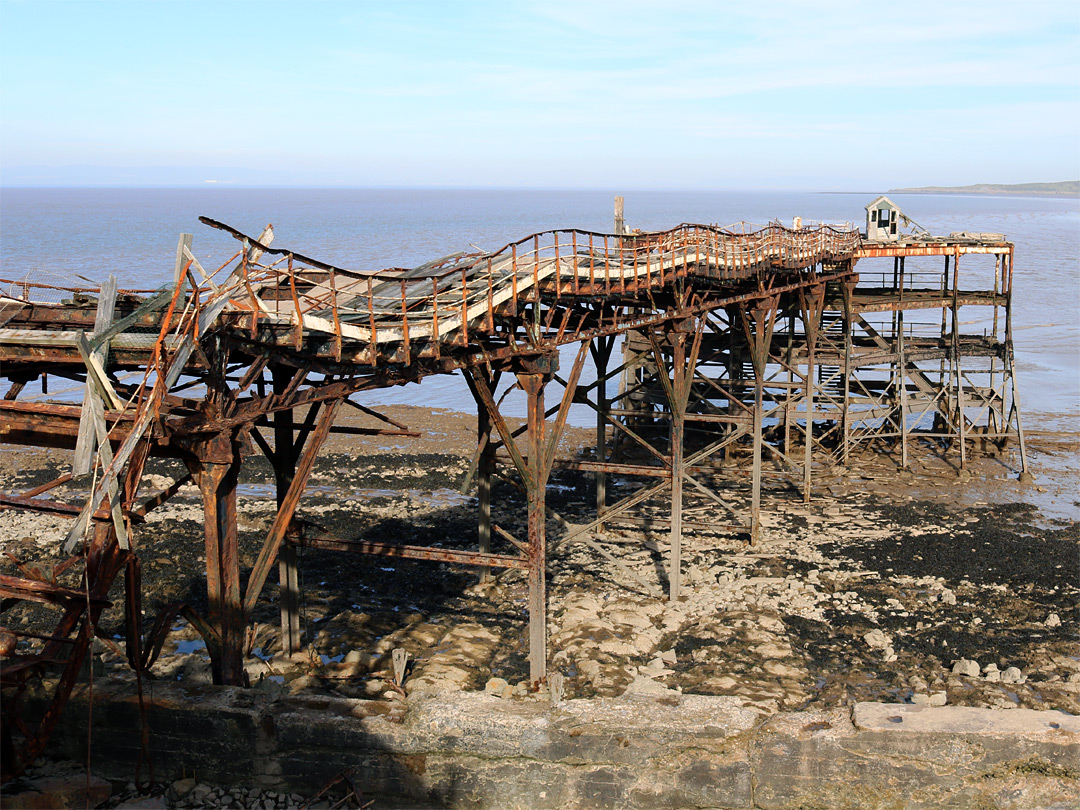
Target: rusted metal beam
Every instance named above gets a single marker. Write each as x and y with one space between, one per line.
477 558
289 501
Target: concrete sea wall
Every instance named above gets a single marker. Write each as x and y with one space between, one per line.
474 750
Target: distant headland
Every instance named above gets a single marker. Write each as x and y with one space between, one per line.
1066 188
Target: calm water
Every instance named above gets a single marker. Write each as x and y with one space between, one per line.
57 235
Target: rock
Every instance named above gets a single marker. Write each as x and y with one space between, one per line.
303 682
358 658
589 669
197 670
948 597
920 699
648 687
1053 620
499 687
965 666
656 665
1012 675
876 640
779 669
668 656
199 795
938 698
773 649
144 803
621 649
180 788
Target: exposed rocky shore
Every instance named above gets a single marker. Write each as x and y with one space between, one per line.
931 591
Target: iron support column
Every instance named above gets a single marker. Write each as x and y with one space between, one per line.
533 386
284 469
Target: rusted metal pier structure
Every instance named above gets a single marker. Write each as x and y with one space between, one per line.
727 360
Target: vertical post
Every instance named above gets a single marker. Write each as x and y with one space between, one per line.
901 376
755 496
847 288
995 422
678 420
532 384
961 428
601 354
734 371
789 399
759 328
813 302
620 223
284 470
1010 366
217 483
943 412
484 469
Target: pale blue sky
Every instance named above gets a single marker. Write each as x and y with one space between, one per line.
765 95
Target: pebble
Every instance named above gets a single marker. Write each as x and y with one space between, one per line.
948 597
1053 620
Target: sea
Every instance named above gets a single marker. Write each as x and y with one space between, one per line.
72 236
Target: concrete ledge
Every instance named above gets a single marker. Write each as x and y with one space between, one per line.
478 751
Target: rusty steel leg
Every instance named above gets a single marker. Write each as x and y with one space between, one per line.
284 469
601 354
847 289
812 303
484 470
678 421
758 325
957 368
217 482
533 385
133 611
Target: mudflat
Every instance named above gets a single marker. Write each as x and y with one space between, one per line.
922 586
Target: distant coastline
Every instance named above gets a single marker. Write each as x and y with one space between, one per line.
1066 188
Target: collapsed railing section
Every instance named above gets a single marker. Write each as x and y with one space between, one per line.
466 297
